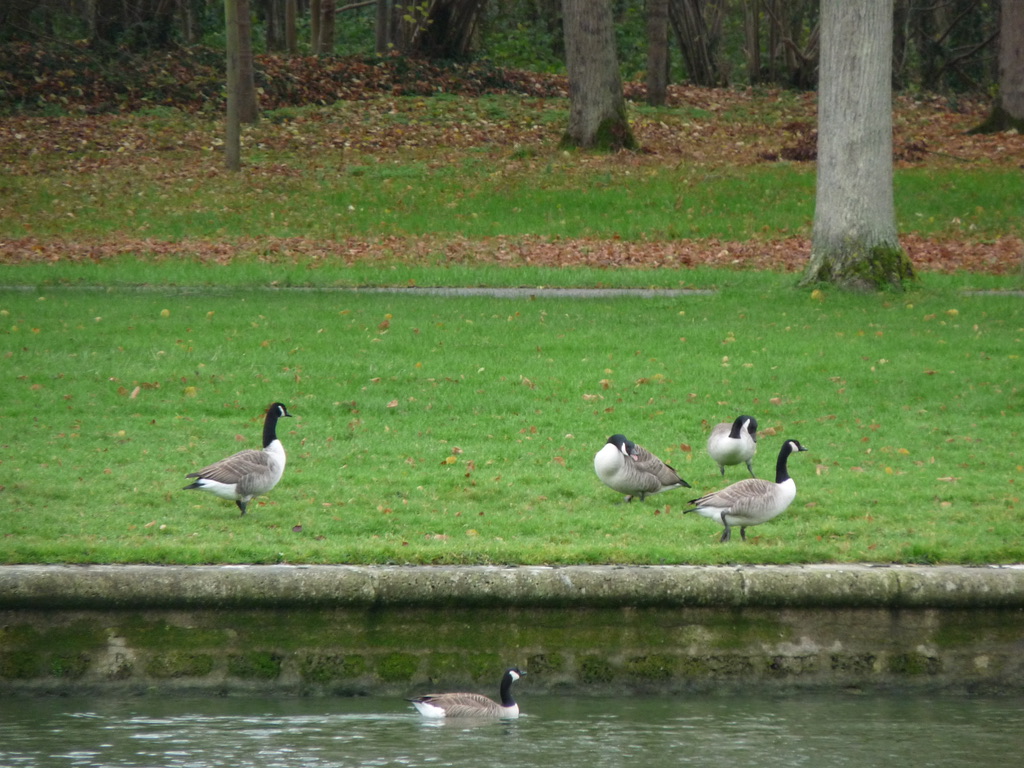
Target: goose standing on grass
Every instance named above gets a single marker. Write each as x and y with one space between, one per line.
752 501
248 473
628 468
734 443
471 704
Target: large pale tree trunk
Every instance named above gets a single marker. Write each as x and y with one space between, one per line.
1008 110
855 243
597 107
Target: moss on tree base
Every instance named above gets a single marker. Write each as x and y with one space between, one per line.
861 269
611 135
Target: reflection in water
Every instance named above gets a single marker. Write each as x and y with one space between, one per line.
554 732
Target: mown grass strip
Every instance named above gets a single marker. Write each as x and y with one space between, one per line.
770 201
438 430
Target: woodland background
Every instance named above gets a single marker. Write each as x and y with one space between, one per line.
101 55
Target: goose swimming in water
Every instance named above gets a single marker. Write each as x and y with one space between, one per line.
438 705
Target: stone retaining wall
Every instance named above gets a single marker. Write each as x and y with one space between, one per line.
346 630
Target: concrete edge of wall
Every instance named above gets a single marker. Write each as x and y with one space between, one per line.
821 586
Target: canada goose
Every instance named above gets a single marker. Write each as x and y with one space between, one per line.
248 473
752 501
628 468
734 443
471 704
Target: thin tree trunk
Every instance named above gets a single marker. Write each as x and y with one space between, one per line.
272 25
657 52
752 39
774 40
248 105
855 243
326 46
232 128
383 40
186 13
314 26
291 12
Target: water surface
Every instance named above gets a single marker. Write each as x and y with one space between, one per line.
817 731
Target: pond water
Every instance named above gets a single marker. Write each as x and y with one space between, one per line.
817 731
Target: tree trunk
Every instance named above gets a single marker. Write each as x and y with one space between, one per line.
695 41
752 39
272 26
248 105
326 44
855 243
657 52
232 124
1008 110
291 12
314 26
187 22
383 38
1011 58
597 107
441 29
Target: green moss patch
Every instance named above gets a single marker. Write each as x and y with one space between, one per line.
258 665
397 667
317 667
180 664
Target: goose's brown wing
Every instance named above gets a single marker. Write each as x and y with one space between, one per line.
463 704
651 465
234 468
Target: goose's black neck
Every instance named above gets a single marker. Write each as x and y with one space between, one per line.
781 470
506 690
276 411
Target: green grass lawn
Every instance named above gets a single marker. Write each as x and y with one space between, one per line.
471 199
462 430
476 168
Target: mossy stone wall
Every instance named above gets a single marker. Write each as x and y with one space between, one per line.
346 631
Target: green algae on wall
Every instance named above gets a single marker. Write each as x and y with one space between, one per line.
595 651
652 630
257 665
